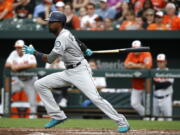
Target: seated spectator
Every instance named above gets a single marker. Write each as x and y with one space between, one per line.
159 4
170 19
96 2
99 25
130 22
116 4
82 13
88 21
147 5
108 24
77 4
41 11
100 82
105 11
26 9
140 22
138 5
149 17
121 16
72 21
158 25
6 9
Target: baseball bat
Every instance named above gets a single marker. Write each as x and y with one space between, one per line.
140 49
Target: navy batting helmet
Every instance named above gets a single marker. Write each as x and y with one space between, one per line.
57 16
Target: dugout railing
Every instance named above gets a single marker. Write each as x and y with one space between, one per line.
108 74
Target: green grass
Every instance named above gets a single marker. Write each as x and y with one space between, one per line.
87 123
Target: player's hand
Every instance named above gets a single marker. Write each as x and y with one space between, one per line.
28 49
88 52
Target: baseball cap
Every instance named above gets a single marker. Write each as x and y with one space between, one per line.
19 43
56 16
161 57
159 14
136 44
60 4
170 5
149 11
103 1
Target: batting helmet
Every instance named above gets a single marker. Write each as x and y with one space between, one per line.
57 16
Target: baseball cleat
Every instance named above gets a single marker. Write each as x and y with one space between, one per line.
53 123
123 129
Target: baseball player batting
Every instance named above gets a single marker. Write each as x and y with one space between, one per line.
77 72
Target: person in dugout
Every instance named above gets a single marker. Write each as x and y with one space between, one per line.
139 60
163 90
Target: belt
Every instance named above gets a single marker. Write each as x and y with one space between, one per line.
161 97
73 66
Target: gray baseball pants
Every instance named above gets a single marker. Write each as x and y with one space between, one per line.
81 77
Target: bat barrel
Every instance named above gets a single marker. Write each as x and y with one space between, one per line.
140 49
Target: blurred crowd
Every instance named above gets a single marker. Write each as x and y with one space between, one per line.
99 14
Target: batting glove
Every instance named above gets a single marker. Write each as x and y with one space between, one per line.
28 49
88 52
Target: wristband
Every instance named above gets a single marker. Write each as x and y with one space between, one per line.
39 55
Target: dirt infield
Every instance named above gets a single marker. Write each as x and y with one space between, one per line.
68 131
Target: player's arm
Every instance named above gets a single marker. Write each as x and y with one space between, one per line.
148 60
146 64
9 61
84 48
23 66
4 13
49 58
44 57
7 65
132 65
129 64
18 3
9 7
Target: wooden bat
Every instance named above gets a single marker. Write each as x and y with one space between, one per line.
140 49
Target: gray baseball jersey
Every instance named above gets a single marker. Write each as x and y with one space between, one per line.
68 48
